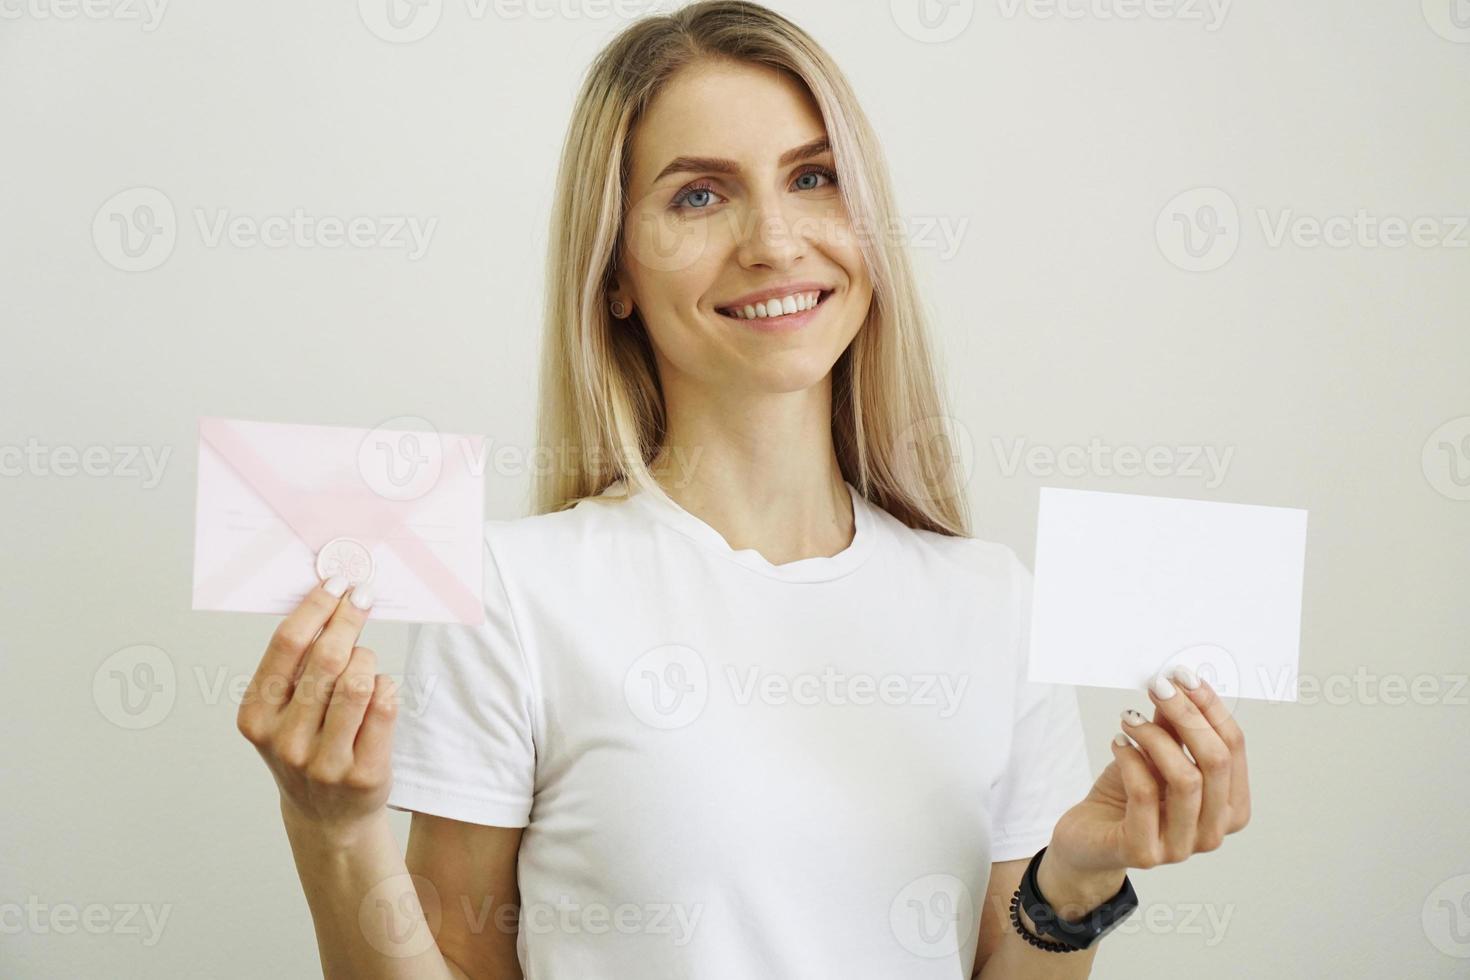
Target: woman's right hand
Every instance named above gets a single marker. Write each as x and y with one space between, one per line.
321 717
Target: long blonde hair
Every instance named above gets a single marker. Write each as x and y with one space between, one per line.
600 400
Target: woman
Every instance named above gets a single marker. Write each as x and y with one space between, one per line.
749 700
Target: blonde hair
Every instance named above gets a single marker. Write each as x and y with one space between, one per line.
600 399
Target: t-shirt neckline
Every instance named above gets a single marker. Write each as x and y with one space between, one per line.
820 568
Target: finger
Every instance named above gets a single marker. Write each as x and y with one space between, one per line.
1217 713
1211 756
327 658
1141 844
1183 784
275 676
373 750
350 697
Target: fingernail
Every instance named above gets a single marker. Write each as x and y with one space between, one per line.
362 596
1185 676
1121 740
1162 688
1131 717
335 586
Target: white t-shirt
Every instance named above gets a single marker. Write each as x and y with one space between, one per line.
733 769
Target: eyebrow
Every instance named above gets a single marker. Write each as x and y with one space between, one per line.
720 165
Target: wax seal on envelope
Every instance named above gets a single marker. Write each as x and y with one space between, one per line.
347 557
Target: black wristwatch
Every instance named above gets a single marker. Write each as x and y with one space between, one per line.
1067 936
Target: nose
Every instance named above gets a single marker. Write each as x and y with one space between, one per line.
769 238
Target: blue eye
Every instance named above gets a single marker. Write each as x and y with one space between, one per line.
683 201
818 172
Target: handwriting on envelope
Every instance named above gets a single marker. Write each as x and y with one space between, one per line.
280 504
1127 585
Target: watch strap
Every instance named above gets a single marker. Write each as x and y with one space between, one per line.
1069 935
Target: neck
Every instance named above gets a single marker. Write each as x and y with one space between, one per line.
763 473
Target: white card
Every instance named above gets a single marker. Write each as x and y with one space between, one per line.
1127 585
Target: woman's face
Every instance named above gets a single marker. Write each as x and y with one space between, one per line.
702 235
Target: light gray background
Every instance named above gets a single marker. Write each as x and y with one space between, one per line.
1055 146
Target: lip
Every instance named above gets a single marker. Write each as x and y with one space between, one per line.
780 289
787 321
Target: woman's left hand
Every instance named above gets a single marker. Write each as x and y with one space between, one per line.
1152 805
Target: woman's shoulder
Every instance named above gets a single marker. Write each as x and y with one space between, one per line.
973 555
587 521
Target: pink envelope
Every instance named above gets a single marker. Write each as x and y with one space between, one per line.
409 505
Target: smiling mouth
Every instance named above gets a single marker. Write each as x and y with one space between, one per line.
728 313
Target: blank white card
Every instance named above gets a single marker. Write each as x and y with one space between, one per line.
1127 585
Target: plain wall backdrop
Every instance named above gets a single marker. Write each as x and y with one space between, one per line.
1228 228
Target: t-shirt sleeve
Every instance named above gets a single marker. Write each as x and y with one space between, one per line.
463 743
1047 771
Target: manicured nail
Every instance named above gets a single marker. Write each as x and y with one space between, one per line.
1162 688
1121 740
1185 676
335 586
362 596
1131 717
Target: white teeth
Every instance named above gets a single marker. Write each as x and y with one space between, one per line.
794 303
